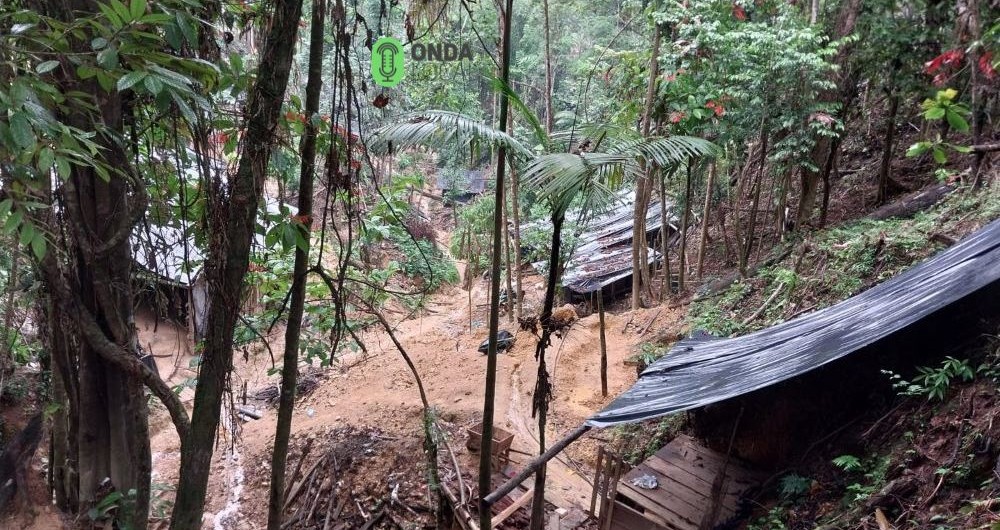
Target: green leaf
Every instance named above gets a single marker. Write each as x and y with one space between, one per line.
934 113
38 245
236 62
5 206
63 168
961 148
137 8
113 18
27 233
129 80
121 11
106 82
45 159
98 43
13 221
153 84
86 72
188 30
46 67
172 34
939 156
956 121
21 131
918 149
108 59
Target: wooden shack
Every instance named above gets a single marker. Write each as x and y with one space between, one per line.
695 488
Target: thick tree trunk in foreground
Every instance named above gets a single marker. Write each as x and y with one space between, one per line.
101 429
232 220
296 307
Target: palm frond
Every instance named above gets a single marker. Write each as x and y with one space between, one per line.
433 128
666 151
527 114
560 177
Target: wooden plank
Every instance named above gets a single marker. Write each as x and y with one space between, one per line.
686 472
703 471
629 519
655 511
692 478
697 483
508 511
669 491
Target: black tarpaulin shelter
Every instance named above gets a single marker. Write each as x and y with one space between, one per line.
703 370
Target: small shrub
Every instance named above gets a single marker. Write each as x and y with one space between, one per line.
848 463
793 486
933 382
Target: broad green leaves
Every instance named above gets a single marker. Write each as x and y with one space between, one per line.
942 107
14 223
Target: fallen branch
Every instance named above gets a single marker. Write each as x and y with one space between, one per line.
763 307
984 148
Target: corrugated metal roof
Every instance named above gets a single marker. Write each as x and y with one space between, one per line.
604 250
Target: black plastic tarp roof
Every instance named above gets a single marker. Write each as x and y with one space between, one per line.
702 370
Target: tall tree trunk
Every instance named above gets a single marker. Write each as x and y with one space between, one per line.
755 202
549 117
704 219
604 345
969 17
843 93
644 187
685 220
890 138
665 289
6 341
104 431
232 223
296 307
516 211
508 259
486 451
543 389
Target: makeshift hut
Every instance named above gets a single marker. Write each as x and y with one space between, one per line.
801 378
602 259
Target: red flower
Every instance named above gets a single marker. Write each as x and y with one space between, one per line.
940 79
739 12
716 107
676 117
986 65
948 58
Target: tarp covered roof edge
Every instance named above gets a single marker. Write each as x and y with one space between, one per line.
700 371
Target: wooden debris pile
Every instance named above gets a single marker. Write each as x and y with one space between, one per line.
307 382
355 478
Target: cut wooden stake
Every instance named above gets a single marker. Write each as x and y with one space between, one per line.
883 523
521 501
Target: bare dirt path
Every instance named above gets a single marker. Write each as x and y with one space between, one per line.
379 391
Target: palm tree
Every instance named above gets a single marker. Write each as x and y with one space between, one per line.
561 178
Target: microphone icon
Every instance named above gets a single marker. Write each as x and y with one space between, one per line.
387 55
387 62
